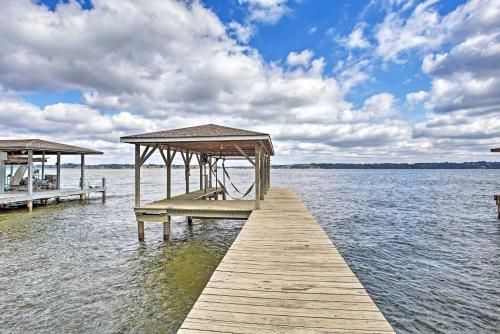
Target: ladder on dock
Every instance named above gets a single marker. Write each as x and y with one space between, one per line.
283 275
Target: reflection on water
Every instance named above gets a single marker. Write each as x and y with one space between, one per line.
425 244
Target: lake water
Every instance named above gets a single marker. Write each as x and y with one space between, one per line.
425 244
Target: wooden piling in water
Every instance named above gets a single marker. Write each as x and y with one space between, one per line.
497 200
140 230
166 229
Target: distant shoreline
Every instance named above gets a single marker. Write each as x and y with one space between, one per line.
421 165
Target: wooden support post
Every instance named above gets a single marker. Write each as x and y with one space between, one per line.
210 172
269 172
43 165
166 229
3 172
82 172
497 199
30 172
200 166
205 178
265 173
138 180
187 161
262 169
190 220
140 230
168 163
216 170
29 204
169 173
104 191
187 178
58 173
257 176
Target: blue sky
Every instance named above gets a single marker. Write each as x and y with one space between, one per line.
359 81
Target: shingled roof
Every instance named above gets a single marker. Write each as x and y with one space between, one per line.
208 130
41 146
209 138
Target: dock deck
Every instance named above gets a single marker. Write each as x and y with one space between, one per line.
194 204
283 275
18 197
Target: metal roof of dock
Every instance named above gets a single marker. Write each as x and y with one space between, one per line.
42 146
209 138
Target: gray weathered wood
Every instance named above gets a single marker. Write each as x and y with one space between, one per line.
244 154
140 230
30 172
146 156
58 171
166 229
257 176
43 165
187 161
82 171
137 175
104 191
283 275
200 167
169 175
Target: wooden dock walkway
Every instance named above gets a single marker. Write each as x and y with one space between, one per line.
22 197
283 275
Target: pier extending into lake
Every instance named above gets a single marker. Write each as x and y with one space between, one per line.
283 275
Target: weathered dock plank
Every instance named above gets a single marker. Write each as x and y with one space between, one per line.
14 197
283 275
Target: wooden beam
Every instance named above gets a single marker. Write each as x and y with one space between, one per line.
143 160
187 160
210 171
173 155
163 156
82 171
146 150
263 145
30 172
200 166
140 229
58 173
43 165
244 154
138 182
262 171
257 176
3 171
169 173
166 229
268 172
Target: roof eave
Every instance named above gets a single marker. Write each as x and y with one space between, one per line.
137 140
48 151
166 140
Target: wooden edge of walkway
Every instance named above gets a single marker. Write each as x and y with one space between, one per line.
283 274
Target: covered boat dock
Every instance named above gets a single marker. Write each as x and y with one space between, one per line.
212 145
37 185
